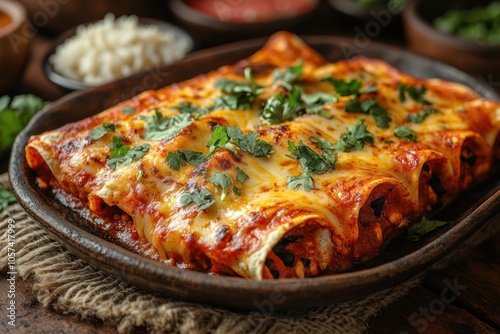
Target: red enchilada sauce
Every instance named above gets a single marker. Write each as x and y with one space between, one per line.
5 19
247 11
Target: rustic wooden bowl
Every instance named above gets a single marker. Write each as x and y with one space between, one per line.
475 58
400 261
15 40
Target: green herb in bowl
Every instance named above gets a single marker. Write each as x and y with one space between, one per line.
15 115
481 24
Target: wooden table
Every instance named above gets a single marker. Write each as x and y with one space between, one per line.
423 310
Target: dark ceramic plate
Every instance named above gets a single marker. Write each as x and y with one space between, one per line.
400 261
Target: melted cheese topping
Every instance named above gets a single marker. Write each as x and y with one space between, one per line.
271 230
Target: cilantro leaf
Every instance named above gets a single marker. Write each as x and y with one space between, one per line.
303 182
202 197
345 88
122 154
279 109
323 143
310 161
314 102
422 115
405 133
224 137
372 108
15 114
287 77
414 92
6 198
222 181
100 131
355 138
418 230
159 128
239 95
175 161
187 108
237 191
129 110
178 159
241 176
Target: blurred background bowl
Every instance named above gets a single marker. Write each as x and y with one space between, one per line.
215 22
58 16
70 84
476 58
15 38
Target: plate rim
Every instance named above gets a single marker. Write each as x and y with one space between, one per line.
399 270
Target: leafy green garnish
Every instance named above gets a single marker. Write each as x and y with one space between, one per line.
303 182
239 95
202 197
222 181
226 137
279 109
15 115
188 108
6 198
310 161
415 93
100 131
345 88
237 191
288 76
123 154
241 176
421 116
178 159
418 230
323 143
129 110
355 138
372 108
405 133
159 128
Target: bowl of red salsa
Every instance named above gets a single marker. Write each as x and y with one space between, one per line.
15 37
216 21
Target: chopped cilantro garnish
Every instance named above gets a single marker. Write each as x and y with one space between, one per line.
123 154
405 133
160 128
303 182
100 131
415 93
6 198
288 76
311 162
239 95
129 110
241 176
226 137
421 116
279 109
187 108
222 181
323 143
418 230
237 191
345 88
178 159
355 138
372 108
202 197
389 141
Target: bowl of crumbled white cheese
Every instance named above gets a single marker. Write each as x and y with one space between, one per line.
113 48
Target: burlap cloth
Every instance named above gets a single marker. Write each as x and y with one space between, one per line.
70 285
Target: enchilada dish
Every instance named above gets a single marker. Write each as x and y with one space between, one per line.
283 165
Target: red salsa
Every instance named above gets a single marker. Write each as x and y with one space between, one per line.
248 11
5 19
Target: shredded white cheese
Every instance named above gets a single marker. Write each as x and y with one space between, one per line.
112 49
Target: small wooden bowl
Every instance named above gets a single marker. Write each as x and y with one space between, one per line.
15 39
476 58
212 30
